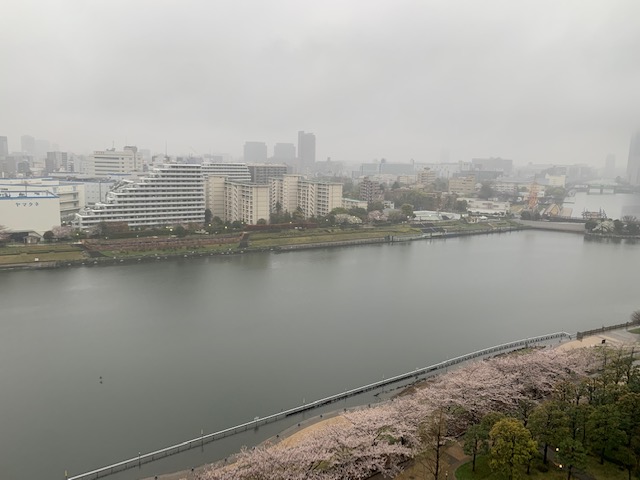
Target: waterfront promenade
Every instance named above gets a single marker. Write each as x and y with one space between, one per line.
454 456
411 377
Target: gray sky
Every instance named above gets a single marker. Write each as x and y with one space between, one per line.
536 81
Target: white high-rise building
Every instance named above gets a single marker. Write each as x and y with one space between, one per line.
169 195
113 162
238 172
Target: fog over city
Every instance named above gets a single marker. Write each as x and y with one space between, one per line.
533 81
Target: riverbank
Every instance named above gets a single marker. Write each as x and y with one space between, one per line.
569 227
453 456
109 252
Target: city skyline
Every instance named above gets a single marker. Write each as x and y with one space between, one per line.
536 82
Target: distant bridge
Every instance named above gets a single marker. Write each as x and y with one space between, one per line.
140 459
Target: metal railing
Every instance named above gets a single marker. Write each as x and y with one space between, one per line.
200 441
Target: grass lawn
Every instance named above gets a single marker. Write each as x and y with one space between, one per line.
483 472
44 253
321 235
173 251
635 330
51 252
608 471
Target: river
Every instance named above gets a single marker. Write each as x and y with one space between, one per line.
203 344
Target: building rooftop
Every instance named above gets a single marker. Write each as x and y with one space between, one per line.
20 195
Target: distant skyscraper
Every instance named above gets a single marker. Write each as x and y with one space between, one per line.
284 153
306 151
56 161
4 147
633 165
28 144
610 166
255 152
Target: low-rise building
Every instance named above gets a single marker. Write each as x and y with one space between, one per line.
487 208
71 194
28 209
349 203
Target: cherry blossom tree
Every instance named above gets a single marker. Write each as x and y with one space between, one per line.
61 232
379 439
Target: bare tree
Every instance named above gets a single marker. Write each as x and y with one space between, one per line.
433 436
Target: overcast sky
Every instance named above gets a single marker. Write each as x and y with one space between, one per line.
535 81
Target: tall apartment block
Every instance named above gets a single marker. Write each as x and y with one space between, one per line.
312 197
370 191
169 195
238 172
263 173
232 201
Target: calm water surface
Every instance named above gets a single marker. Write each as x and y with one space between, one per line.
206 344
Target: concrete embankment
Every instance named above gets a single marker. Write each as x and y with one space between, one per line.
101 260
571 227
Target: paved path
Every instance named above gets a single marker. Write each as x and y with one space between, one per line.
454 456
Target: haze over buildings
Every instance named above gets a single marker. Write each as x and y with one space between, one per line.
533 81
633 163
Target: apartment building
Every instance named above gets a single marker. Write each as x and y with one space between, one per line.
426 176
462 185
236 201
246 202
314 198
262 173
238 172
169 195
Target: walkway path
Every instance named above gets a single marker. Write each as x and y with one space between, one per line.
454 456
